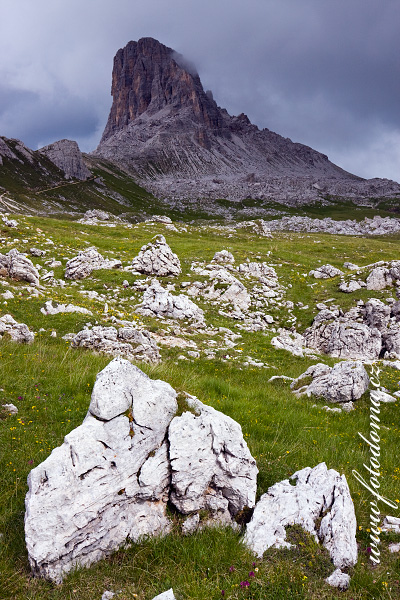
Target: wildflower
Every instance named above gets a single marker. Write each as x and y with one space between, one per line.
30 462
244 584
253 565
256 569
20 398
222 592
252 574
231 569
369 550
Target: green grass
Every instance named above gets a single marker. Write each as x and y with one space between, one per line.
51 382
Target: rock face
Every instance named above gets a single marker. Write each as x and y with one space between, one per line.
167 130
318 492
18 332
158 302
344 382
65 154
16 265
86 262
157 258
113 475
125 341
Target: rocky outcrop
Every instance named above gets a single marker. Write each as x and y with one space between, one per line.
16 265
343 337
345 382
366 332
87 261
325 272
159 302
18 332
111 479
165 129
65 154
125 341
317 493
157 258
375 226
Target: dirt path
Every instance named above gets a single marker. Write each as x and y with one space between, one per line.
65 184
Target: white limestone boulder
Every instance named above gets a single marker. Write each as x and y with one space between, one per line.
345 382
53 308
343 337
18 332
16 265
325 272
111 479
159 302
379 279
125 341
87 261
318 492
223 257
157 258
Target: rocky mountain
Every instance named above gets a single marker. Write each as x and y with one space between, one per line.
65 154
165 129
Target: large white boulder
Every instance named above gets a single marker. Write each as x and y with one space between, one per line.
111 479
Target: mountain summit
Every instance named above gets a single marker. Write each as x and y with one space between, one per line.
170 133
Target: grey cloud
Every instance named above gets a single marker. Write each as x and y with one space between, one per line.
325 73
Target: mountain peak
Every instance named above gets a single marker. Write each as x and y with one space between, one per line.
147 77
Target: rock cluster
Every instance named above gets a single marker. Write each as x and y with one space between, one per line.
157 258
159 302
18 332
317 493
345 382
375 226
87 261
111 479
16 265
325 272
65 154
125 341
366 332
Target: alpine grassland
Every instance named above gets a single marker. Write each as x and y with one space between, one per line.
50 382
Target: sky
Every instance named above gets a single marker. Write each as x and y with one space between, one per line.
325 73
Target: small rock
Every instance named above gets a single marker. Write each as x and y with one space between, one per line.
339 580
10 408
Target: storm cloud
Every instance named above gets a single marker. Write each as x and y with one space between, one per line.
324 73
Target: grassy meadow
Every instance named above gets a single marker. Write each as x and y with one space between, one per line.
51 383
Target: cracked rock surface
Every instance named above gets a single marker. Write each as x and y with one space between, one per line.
112 477
87 261
319 492
16 265
344 382
18 332
125 341
159 302
157 258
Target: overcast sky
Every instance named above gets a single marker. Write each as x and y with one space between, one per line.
322 72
